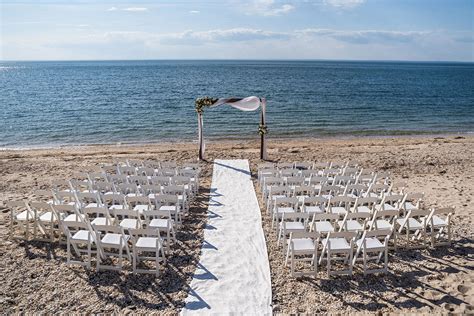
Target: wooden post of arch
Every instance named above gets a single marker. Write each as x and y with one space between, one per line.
262 122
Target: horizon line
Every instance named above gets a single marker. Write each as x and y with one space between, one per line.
238 59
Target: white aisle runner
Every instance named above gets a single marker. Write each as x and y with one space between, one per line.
233 274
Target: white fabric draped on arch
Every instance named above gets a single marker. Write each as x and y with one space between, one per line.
244 104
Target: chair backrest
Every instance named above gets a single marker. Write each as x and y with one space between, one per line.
321 165
135 233
342 234
285 165
118 178
126 170
135 200
343 180
96 212
303 190
339 200
314 180
318 217
158 214
330 190
139 180
160 180
369 202
315 200
127 188
125 213
443 210
356 189
166 172
305 234
358 216
166 199
295 216
40 206
168 164
114 199
294 180
145 171
278 190
303 165
288 201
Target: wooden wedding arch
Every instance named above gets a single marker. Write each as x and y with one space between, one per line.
244 104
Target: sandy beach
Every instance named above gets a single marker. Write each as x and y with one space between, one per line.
35 276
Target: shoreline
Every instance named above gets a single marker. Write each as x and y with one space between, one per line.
223 140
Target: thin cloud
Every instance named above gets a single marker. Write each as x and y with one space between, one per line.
344 4
131 9
194 12
365 36
267 8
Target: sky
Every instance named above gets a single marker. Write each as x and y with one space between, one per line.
418 30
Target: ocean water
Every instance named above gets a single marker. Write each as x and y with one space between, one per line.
70 103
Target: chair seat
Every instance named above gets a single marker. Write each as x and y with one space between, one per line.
128 223
112 239
350 225
170 208
301 198
438 222
47 217
337 244
92 205
160 223
313 209
382 224
147 242
388 207
116 207
303 244
293 225
410 206
338 210
73 218
363 209
413 223
141 208
101 221
82 235
323 227
281 210
24 215
370 243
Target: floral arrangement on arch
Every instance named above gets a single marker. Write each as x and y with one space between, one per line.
200 103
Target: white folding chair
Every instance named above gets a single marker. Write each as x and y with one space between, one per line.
303 247
291 222
413 226
147 241
314 205
127 218
338 246
79 234
324 223
340 204
438 222
111 242
162 221
45 219
373 245
23 216
283 205
354 222
98 216
274 193
365 205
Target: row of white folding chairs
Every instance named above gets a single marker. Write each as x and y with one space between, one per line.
302 165
103 181
301 237
355 172
41 214
318 181
148 170
48 220
153 163
103 189
354 191
102 197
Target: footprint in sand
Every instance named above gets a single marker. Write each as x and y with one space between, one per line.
464 289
